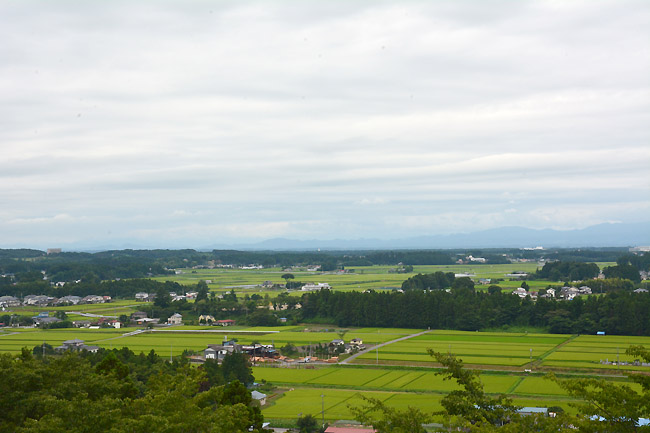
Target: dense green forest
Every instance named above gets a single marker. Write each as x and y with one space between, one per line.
568 271
71 266
620 312
117 391
113 288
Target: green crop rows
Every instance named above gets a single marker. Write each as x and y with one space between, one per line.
399 386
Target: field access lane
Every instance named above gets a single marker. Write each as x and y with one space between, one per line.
363 352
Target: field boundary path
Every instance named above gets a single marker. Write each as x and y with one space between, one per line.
10 333
79 313
363 352
128 334
215 331
540 359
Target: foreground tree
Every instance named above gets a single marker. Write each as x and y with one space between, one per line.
386 419
471 402
308 424
67 394
603 406
609 407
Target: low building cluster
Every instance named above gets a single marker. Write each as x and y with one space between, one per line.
565 293
150 297
267 353
207 319
44 301
257 352
635 363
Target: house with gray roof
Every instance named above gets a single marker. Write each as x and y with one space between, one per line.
76 345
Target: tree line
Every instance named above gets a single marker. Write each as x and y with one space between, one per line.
627 267
567 271
621 312
113 288
71 266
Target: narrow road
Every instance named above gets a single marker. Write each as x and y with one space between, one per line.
79 313
11 333
128 334
363 352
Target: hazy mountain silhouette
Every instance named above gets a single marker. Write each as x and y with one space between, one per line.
602 235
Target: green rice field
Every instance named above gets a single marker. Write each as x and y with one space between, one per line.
400 379
483 348
336 402
362 277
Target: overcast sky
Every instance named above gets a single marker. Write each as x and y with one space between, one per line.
195 123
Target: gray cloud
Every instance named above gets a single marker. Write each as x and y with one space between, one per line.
195 121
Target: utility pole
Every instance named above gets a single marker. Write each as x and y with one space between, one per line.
531 354
322 399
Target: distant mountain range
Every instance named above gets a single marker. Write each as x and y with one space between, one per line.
602 235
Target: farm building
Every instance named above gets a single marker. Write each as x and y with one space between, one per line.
93 299
41 322
69 300
225 322
219 351
175 319
312 287
76 345
9 301
206 319
142 296
260 397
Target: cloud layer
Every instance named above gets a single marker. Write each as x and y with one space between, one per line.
194 123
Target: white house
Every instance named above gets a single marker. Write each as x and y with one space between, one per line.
175 319
93 299
521 292
319 286
210 353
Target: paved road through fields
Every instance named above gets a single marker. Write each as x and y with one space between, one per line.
347 360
